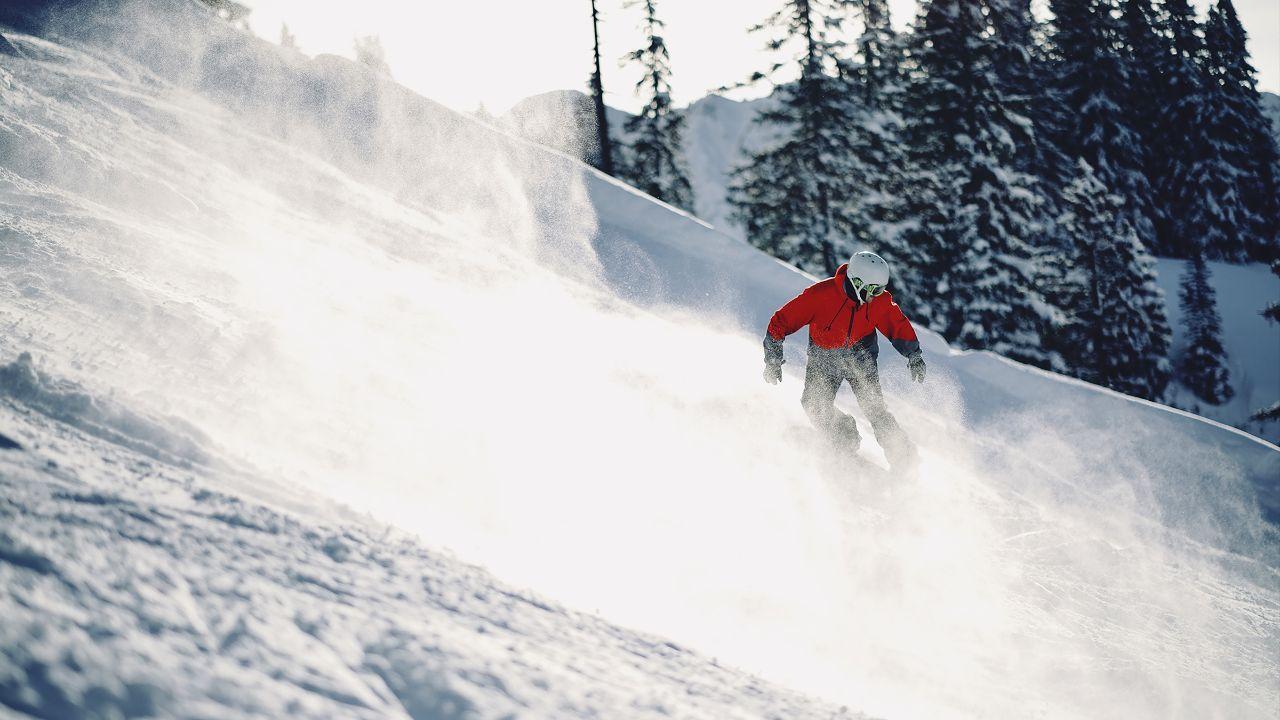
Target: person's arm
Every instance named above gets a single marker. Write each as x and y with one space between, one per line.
895 326
789 318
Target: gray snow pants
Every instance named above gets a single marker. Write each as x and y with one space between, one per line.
858 366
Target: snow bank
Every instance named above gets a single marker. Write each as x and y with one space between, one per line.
169 440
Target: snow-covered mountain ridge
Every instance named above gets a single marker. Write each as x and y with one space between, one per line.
720 134
349 294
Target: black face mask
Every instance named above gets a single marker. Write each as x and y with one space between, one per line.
849 291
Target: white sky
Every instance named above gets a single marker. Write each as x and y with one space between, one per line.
497 52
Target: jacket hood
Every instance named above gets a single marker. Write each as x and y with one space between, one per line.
842 282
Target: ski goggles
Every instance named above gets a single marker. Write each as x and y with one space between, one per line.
868 290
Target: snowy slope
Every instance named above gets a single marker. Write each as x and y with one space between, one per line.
721 132
135 588
287 286
563 120
143 572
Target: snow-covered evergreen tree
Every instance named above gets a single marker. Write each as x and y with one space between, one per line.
875 207
656 161
1119 334
1026 71
1243 133
1116 333
1091 82
1204 184
976 217
1211 158
1197 180
1020 79
1202 364
878 67
791 198
1144 53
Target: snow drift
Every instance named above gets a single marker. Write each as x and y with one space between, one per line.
354 291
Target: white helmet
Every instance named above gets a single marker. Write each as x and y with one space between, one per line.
868 275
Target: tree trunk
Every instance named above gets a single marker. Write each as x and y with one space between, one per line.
597 89
812 68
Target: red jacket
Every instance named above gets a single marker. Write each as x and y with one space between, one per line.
835 320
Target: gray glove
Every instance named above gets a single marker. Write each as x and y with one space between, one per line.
772 373
772 360
915 363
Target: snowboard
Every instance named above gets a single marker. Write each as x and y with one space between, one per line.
840 461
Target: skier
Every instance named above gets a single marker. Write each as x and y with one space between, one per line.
843 314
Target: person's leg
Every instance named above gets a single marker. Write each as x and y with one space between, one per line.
821 382
898 448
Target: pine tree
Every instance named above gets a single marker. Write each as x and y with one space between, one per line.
1144 53
1090 78
877 71
1202 364
1119 334
1243 133
287 39
977 217
656 162
1196 179
790 197
1204 185
1025 69
1116 334
1016 74
603 154
875 207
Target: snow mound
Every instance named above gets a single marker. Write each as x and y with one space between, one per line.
169 440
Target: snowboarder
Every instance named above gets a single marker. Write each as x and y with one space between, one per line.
843 314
